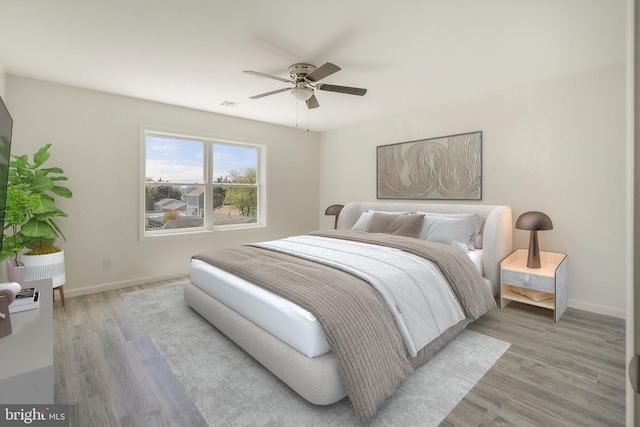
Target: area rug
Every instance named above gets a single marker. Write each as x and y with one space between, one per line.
230 388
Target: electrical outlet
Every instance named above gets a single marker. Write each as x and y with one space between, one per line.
106 263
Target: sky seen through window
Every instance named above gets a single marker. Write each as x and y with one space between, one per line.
182 160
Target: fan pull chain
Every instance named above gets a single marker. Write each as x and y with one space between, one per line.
298 115
297 109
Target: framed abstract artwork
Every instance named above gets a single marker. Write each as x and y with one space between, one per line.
443 168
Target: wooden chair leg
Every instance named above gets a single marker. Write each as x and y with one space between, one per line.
61 290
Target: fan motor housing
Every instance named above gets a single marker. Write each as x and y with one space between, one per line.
299 71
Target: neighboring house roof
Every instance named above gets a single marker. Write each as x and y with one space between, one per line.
164 202
176 205
198 191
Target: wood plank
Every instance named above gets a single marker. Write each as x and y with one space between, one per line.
108 370
554 374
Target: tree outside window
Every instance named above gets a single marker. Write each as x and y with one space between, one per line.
180 195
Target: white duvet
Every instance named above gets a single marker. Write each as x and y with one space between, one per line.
419 298
283 319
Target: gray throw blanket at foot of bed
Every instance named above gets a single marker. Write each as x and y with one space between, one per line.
358 326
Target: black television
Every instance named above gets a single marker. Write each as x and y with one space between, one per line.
6 129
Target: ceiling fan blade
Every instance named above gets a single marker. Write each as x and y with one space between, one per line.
312 103
342 89
268 76
326 70
273 92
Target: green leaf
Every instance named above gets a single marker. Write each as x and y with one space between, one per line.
55 226
12 244
19 162
44 204
61 191
41 156
40 184
47 216
35 228
52 170
19 205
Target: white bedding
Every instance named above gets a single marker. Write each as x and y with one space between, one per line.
476 257
280 317
418 297
283 319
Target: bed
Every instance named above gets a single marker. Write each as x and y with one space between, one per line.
304 350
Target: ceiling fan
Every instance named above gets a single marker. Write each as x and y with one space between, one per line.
304 78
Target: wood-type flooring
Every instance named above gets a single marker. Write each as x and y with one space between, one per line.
570 373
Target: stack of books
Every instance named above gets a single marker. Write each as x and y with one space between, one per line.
532 295
26 299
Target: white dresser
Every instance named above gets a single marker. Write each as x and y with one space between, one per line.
26 356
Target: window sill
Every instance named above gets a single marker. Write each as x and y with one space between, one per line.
200 232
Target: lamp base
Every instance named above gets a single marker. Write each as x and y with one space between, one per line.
533 259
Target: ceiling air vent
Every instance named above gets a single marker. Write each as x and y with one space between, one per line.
230 104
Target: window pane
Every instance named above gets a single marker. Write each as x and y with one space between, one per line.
174 160
232 163
179 177
170 207
235 205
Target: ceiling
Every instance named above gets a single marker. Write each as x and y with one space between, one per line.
409 54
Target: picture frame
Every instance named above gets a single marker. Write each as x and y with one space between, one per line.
442 168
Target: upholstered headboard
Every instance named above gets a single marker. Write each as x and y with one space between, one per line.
497 240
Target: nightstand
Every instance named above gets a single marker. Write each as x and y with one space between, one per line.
548 283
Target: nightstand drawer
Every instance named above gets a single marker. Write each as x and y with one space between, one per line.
529 281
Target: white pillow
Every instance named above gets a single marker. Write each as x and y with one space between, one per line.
363 222
459 230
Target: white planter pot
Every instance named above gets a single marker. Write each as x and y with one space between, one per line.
49 266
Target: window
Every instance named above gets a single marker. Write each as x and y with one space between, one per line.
200 184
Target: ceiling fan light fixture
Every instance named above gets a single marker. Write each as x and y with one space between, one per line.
301 92
305 79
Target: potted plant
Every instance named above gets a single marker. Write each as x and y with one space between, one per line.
30 214
19 205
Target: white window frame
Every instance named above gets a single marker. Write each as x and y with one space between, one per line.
209 185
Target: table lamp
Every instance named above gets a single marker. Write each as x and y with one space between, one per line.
334 210
534 221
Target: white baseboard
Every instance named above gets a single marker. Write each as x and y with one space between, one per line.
600 309
119 285
580 305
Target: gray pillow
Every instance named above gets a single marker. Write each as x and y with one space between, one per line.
459 230
363 222
399 225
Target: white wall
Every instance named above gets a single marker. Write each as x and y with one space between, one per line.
2 80
556 146
96 140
